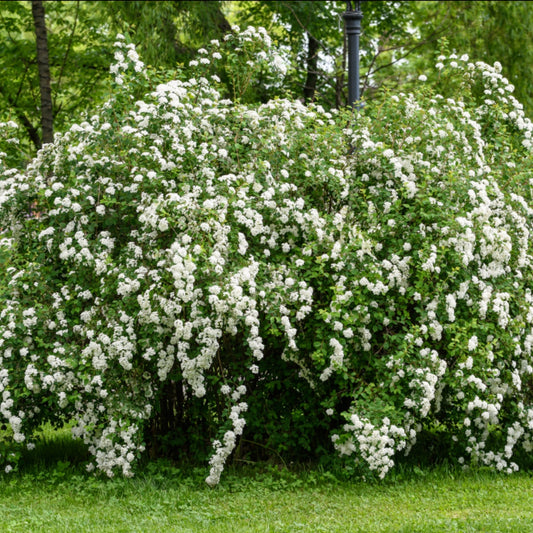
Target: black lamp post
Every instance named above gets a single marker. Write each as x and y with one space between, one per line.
352 20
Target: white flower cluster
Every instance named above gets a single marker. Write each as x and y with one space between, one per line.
376 445
7 134
126 57
229 441
467 253
192 268
337 358
188 239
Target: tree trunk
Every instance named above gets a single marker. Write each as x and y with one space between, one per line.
222 24
312 73
47 115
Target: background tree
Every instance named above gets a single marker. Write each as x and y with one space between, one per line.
400 41
492 31
312 33
168 33
80 51
485 31
47 116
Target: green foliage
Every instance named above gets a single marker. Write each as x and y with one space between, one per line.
487 31
168 33
292 24
499 31
79 54
399 41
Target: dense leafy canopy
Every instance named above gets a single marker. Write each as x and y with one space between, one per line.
80 51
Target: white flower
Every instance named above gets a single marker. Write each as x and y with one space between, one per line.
348 333
472 343
163 225
279 65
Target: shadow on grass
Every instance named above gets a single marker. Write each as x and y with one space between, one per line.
58 457
55 455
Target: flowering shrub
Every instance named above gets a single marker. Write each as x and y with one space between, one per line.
9 143
192 252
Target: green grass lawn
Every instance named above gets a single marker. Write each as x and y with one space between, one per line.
52 494
163 502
